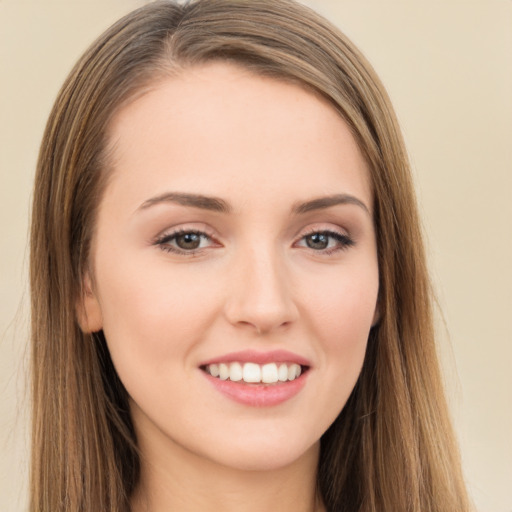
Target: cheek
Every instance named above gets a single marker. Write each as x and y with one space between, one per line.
154 315
344 307
342 314
153 321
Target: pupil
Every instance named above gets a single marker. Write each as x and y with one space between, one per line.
317 241
188 241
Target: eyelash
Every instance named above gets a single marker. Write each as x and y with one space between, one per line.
164 241
344 242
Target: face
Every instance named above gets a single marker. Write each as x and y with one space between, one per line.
234 266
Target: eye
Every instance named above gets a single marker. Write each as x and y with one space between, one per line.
327 242
184 241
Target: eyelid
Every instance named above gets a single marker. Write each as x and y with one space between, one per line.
170 233
322 227
344 239
184 227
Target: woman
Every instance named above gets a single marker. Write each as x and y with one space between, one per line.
230 301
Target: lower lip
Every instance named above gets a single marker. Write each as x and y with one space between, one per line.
258 395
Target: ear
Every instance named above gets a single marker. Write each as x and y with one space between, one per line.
88 309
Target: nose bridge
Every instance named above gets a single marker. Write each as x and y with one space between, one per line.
261 290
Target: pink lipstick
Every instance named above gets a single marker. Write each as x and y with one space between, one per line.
258 379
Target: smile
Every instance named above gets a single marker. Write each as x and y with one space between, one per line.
254 373
258 379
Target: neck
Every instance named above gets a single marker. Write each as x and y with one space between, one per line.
176 479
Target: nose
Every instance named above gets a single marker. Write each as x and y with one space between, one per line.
261 293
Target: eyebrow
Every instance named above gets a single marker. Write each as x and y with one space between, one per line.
213 204
321 203
219 205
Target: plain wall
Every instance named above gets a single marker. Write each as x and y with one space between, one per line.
447 65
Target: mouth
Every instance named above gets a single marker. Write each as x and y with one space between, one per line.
254 373
258 379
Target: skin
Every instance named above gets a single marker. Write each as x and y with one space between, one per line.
261 146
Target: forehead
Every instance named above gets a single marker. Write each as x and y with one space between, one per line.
222 126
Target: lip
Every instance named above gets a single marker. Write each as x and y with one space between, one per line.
253 356
259 395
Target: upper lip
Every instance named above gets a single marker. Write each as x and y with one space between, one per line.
253 356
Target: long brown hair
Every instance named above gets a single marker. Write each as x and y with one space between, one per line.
392 447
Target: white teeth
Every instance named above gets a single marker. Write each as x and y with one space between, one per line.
214 370
293 371
252 372
283 372
235 372
223 371
269 373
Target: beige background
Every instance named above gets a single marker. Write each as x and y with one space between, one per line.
448 67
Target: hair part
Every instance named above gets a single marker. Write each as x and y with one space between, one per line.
392 447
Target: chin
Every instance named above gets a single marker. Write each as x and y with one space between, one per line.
267 456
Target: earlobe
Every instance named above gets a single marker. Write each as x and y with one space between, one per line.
88 309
